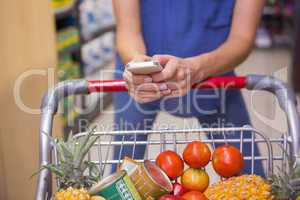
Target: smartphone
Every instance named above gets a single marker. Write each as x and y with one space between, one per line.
144 68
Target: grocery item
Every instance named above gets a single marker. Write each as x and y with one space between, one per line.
241 187
178 189
286 185
72 167
129 165
227 161
195 195
150 181
97 198
98 52
72 194
196 154
67 38
171 163
117 186
75 194
67 68
195 179
58 4
170 197
95 15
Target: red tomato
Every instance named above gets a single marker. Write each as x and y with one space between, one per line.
178 189
195 179
194 195
227 161
170 197
196 154
171 163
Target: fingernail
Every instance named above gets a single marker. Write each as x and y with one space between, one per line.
163 87
166 92
148 80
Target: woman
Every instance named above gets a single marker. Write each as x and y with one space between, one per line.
192 40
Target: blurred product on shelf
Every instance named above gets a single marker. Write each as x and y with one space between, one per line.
67 38
263 39
98 52
67 68
94 15
58 4
280 7
277 24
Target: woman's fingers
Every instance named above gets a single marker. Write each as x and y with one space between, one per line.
179 93
154 87
144 97
178 85
162 59
168 73
154 95
174 80
141 58
136 79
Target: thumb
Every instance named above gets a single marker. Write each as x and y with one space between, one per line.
162 59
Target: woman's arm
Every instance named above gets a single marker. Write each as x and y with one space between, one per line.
130 43
186 71
246 18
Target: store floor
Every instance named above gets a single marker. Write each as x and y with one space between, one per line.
263 108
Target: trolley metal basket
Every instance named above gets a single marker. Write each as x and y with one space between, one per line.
159 140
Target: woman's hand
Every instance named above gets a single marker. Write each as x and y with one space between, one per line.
141 87
179 74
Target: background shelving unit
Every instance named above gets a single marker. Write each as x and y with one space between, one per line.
85 46
277 24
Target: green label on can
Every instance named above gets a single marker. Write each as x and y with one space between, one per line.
121 189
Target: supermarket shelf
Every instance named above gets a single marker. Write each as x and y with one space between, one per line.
100 32
103 102
99 67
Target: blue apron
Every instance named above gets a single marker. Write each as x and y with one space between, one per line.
182 28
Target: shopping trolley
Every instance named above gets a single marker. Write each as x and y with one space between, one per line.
159 140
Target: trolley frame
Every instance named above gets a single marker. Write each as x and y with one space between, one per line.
284 94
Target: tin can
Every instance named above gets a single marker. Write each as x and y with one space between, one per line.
117 186
150 181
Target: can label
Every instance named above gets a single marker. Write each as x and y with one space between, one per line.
147 178
120 188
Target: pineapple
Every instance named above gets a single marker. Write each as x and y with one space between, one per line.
75 194
72 194
70 171
248 187
286 185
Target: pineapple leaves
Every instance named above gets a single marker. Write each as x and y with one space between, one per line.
51 167
72 169
286 184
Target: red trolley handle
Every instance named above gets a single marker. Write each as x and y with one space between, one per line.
211 83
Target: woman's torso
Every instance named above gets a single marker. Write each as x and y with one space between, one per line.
184 28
